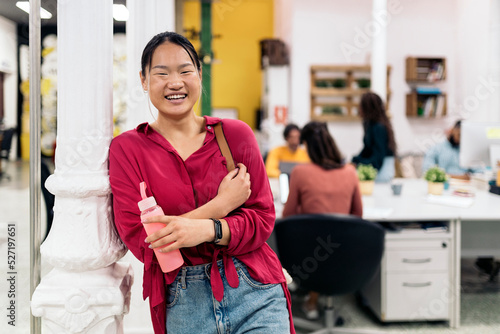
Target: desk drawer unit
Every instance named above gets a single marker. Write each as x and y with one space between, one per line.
413 260
413 283
417 297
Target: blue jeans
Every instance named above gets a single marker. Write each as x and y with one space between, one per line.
387 171
253 307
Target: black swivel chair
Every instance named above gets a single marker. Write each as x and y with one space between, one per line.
330 254
7 136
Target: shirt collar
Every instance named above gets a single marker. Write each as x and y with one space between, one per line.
143 128
209 121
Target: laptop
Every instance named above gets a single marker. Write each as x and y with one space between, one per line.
284 179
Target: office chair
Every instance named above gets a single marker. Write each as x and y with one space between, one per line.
5 150
331 254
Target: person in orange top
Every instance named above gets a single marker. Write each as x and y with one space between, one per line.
326 185
291 152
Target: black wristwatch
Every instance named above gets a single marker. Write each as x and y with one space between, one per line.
218 230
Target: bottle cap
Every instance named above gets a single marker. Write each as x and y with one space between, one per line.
146 203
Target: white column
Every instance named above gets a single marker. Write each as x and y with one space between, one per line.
493 57
275 102
379 49
147 18
87 291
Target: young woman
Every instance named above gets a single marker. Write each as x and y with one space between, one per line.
379 144
231 280
324 186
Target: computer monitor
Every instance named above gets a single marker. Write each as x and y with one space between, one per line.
479 144
284 183
286 168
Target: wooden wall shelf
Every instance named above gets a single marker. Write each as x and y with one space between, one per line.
423 74
425 105
336 89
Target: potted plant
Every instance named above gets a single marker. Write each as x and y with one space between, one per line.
332 110
321 83
366 176
436 177
339 83
363 82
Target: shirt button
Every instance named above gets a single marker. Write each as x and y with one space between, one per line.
209 127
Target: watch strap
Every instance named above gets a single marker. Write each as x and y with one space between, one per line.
218 230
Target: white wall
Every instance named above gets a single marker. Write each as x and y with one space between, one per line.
472 67
8 64
456 30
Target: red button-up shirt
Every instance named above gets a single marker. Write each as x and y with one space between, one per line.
180 186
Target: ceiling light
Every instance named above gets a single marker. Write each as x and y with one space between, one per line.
25 5
120 13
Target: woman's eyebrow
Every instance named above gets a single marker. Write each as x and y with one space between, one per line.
161 67
185 65
164 67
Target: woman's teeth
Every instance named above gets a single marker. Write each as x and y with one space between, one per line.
176 97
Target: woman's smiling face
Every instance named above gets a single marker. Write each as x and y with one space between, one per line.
173 81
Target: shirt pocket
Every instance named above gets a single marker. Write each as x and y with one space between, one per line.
207 186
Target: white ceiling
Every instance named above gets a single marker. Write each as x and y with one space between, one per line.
9 10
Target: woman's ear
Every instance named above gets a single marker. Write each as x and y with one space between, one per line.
143 81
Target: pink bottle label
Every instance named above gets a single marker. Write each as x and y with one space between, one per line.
168 261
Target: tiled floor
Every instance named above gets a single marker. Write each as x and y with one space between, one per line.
480 315
480 310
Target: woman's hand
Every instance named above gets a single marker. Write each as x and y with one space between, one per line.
234 188
179 232
233 191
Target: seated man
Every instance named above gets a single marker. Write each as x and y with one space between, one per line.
291 152
446 155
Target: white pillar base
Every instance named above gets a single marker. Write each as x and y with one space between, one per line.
91 302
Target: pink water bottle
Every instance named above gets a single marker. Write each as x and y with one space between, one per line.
168 261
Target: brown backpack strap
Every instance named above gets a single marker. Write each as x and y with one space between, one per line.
223 146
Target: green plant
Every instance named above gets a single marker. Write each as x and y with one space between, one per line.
363 82
366 172
332 110
321 83
435 174
339 83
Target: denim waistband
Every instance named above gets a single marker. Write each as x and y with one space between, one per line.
202 271
213 272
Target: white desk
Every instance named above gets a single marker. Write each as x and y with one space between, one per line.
412 205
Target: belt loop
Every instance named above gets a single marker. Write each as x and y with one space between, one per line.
207 270
183 278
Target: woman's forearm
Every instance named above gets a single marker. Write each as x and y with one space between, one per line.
233 191
212 209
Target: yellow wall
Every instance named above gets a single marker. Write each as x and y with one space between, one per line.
236 73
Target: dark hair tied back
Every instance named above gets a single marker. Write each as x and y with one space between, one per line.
321 147
172 37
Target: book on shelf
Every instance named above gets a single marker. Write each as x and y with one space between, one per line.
428 90
440 102
436 72
429 107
